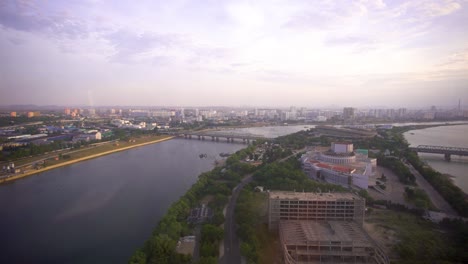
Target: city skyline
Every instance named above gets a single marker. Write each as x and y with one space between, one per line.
234 53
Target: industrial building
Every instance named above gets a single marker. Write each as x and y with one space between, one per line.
341 165
322 228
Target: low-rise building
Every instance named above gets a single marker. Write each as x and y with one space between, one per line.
87 137
341 165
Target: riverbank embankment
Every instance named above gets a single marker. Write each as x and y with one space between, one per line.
73 161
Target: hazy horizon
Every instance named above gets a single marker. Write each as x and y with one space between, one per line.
234 53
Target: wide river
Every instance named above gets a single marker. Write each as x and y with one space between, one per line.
101 210
450 136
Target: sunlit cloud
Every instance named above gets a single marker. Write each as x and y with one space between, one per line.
344 46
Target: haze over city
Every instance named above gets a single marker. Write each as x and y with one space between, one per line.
268 53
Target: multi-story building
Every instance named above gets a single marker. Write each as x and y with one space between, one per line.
348 113
314 206
322 228
328 242
341 165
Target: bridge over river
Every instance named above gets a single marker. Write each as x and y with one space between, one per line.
447 151
216 135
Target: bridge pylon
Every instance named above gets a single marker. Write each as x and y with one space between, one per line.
447 156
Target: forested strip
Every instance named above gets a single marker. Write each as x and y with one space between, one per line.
160 248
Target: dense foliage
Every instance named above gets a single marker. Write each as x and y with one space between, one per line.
419 198
452 193
248 217
395 165
288 176
299 140
160 248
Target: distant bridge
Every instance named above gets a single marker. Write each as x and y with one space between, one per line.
215 136
447 151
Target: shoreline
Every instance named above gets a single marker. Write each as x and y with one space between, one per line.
70 162
449 176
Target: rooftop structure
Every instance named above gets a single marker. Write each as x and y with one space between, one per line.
342 147
186 245
327 242
341 165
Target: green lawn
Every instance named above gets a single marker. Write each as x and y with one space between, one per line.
411 239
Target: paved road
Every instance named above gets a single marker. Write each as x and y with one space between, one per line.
437 200
231 241
394 190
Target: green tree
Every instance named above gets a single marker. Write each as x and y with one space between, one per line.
139 257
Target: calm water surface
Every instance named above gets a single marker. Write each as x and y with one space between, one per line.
101 210
276 131
450 136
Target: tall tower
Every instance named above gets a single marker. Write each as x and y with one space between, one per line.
348 113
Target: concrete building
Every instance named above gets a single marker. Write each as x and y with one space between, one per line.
328 242
341 165
33 114
342 147
87 137
348 113
314 206
322 228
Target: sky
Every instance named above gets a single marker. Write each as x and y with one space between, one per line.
234 53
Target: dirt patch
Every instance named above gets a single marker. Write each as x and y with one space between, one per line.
207 199
384 236
270 249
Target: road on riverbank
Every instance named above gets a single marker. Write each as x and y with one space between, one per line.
230 248
231 244
436 199
69 162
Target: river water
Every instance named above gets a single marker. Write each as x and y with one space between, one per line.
276 131
101 210
450 136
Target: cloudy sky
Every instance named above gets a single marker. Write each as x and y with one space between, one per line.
234 53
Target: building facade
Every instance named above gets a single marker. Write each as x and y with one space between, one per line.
314 206
328 242
322 228
341 165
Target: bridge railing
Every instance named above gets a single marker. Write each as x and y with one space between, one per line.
441 150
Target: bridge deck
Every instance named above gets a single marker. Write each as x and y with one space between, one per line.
226 135
441 150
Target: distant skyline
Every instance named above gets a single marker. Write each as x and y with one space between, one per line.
234 53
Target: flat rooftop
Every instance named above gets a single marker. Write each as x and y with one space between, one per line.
303 232
309 196
356 167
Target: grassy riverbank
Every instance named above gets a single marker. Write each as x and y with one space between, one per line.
85 154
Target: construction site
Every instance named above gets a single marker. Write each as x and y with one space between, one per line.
322 228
